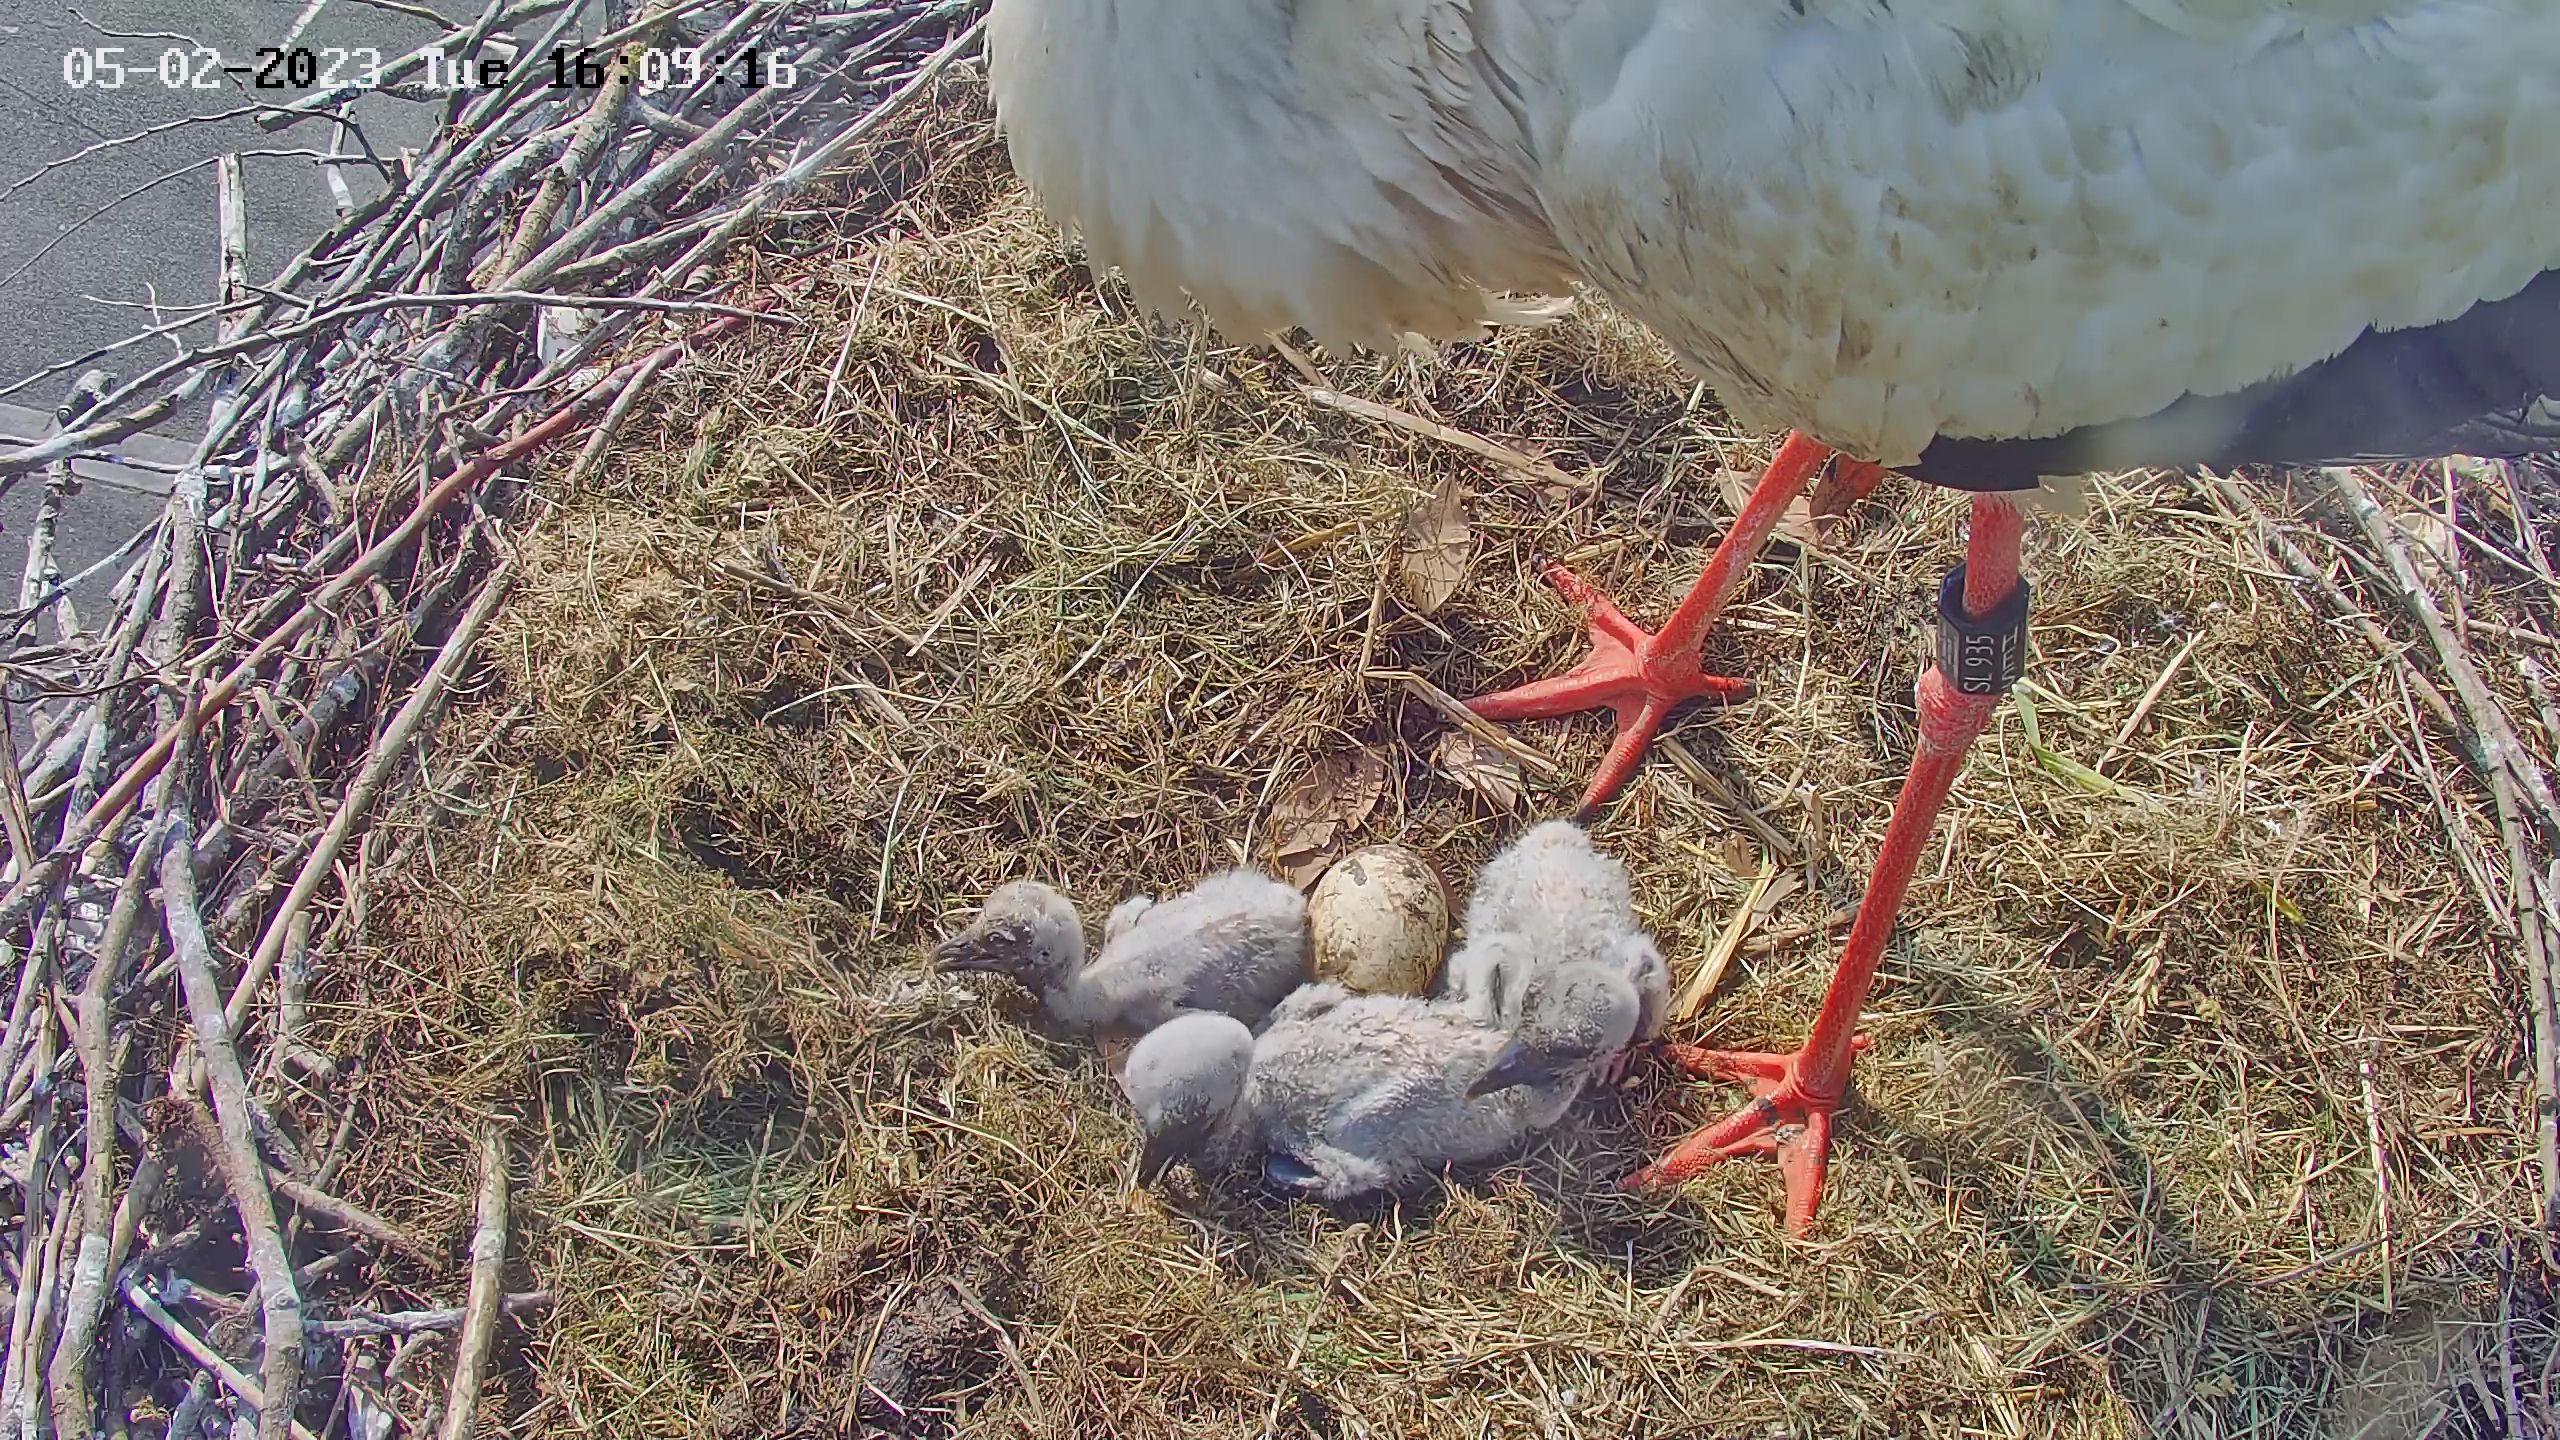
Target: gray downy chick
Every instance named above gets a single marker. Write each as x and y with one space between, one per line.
1568 1036
1232 945
1124 915
1354 1093
1572 903
1343 1094
1556 889
1028 933
1187 1079
1574 1023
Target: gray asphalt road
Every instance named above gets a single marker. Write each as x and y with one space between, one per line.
88 250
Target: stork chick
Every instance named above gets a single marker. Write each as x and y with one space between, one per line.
1187 1079
1561 1018
1553 887
1232 945
1574 1023
1573 905
1568 1024
1343 1094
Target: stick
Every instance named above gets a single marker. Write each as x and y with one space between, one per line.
100 1079
21 1371
1473 444
2381 1171
2150 697
342 197
2235 501
30 1409
543 265
1722 794
187 1416
2508 768
281 1306
1012 1353
19 822
603 117
148 1174
231 223
310 12
614 414
16 462
1455 711
723 228
1767 941
352 1218
488 1259
24 1011
39 583
414 1322
2498 747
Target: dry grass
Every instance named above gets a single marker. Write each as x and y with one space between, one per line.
2112 1174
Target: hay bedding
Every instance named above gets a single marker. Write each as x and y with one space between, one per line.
2201 1099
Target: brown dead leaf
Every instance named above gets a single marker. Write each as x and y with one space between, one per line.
1437 546
1312 818
1485 769
1739 855
2433 544
1798 524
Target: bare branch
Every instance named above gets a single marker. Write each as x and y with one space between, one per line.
480 1312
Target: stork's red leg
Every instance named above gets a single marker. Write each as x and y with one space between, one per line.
1794 1095
1645 676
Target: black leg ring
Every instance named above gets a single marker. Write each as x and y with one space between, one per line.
1985 656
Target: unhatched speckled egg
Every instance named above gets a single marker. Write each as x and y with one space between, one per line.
1380 921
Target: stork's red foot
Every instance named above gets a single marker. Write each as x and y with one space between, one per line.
1645 675
1628 670
1789 1118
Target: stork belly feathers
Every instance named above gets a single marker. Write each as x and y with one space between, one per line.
2003 220
2480 384
1916 230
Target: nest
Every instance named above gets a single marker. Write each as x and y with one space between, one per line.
565 828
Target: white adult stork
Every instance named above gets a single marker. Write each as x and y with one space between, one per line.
1977 241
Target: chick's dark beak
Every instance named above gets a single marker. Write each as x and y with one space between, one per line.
1176 1140
1155 1157
973 952
1516 1065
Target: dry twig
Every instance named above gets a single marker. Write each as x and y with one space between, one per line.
480 1311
